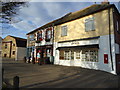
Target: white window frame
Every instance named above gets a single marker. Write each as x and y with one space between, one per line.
89 55
90 24
68 55
64 30
49 34
78 55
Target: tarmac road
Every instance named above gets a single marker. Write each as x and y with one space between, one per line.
54 76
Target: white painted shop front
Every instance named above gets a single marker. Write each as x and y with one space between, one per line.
92 53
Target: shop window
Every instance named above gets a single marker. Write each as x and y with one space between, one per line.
90 55
5 45
68 55
61 55
83 55
89 24
64 30
78 54
13 53
48 52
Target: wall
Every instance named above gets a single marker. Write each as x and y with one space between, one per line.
117 39
76 28
7 51
20 53
103 42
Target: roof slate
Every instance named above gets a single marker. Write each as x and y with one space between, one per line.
75 15
20 42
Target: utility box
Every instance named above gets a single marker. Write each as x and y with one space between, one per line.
105 58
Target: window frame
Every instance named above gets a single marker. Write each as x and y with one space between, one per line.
117 26
6 46
64 30
39 35
48 35
13 52
90 24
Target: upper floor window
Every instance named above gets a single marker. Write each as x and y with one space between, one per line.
39 36
13 44
118 27
32 37
5 45
89 24
13 53
64 30
48 34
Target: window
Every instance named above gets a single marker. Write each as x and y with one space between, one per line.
84 54
66 55
89 24
48 52
39 36
61 55
32 38
90 55
13 53
13 44
64 30
48 34
5 55
5 45
118 28
77 54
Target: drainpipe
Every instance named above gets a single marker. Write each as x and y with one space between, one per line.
10 49
110 39
53 43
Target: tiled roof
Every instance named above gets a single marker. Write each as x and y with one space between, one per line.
75 15
20 42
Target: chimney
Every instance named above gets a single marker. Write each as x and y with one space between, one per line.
105 2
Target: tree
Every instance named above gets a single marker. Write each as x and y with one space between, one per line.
9 10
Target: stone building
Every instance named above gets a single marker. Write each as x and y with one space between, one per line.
14 47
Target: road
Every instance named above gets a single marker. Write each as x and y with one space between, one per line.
55 76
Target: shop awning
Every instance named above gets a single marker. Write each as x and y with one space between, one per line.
83 46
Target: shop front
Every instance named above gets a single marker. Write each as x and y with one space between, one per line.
92 53
75 56
43 54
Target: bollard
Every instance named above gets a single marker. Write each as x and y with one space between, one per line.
2 75
119 81
16 82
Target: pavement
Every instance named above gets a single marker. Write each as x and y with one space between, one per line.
56 76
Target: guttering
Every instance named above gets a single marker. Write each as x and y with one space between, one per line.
110 38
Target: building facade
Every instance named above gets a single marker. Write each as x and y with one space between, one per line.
0 47
14 47
89 38
40 46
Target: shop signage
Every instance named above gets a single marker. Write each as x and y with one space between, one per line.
75 43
